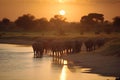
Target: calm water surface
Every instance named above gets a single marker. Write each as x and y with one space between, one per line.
17 63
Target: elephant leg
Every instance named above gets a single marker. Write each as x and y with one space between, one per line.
34 53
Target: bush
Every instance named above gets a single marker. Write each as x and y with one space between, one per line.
98 32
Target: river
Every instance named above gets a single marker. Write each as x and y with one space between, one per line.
17 63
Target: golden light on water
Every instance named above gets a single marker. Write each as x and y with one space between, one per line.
63 73
65 62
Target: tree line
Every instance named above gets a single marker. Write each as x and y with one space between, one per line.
91 22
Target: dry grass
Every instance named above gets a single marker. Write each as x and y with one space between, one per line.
56 34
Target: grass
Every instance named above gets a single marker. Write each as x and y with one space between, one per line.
56 35
111 48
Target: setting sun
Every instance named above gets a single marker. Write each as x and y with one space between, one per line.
62 12
61 1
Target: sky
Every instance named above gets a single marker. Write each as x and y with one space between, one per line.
74 9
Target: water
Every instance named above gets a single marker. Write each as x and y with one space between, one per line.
17 63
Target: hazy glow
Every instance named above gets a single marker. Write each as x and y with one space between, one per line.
75 9
61 1
64 1
62 12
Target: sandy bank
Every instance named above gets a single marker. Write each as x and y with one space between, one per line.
99 64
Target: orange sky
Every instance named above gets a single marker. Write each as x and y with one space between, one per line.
48 8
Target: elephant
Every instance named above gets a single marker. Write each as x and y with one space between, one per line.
34 46
73 46
38 48
69 44
89 44
57 47
78 45
100 42
60 47
92 44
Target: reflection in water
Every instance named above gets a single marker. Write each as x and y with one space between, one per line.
64 71
70 71
65 62
68 68
17 63
85 70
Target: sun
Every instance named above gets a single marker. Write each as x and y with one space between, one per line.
62 12
61 1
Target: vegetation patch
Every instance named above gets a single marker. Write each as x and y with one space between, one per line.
112 48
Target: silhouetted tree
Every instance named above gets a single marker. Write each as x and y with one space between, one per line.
5 21
92 18
41 24
96 17
26 21
5 24
116 21
58 19
57 22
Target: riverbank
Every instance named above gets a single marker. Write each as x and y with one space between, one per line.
104 61
16 41
98 64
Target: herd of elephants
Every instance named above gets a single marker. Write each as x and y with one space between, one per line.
59 47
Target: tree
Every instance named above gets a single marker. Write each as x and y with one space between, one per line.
86 20
58 22
92 18
58 19
41 24
116 21
5 24
26 21
5 21
96 17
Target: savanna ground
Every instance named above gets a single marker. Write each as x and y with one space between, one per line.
16 37
104 61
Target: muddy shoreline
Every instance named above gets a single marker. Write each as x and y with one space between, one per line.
98 64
